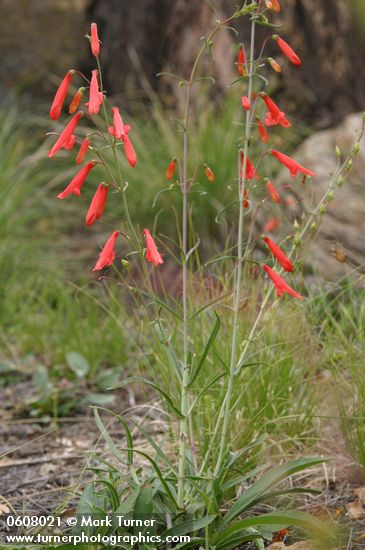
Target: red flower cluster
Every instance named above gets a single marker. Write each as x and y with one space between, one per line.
67 140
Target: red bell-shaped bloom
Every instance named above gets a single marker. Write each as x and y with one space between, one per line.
281 257
82 151
96 97
264 135
245 103
60 96
107 255
271 225
65 137
171 169
95 44
152 254
118 129
280 285
293 166
287 51
129 151
274 116
97 204
77 182
273 191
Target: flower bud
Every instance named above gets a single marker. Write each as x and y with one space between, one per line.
322 209
274 65
296 225
330 196
356 149
313 227
338 151
349 164
340 181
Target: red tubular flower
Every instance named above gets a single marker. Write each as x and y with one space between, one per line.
273 192
272 224
171 169
96 97
245 103
76 100
287 50
95 44
281 257
274 116
107 255
264 136
152 254
241 61
118 130
97 204
82 151
293 166
280 285
209 173
129 151
65 137
60 96
274 65
250 169
70 143
77 182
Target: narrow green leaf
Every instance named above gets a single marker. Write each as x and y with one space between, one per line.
211 339
202 392
189 526
106 436
157 447
257 491
280 520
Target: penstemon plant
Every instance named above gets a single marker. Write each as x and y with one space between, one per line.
194 491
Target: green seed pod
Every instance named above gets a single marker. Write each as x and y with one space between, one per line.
330 196
322 209
349 164
340 181
356 149
296 225
297 240
125 263
313 227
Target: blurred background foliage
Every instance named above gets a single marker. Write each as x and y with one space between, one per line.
52 305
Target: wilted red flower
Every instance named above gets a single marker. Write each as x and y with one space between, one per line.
273 5
95 44
129 151
241 61
77 182
287 51
152 254
65 138
246 201
273 191
264 136
171 169
274 65
274 116
281 257
272 224
60 96
97 204
118 130
250 169
245 103
280 285
209 173
293 166
82 151
76 100
107 255
96 97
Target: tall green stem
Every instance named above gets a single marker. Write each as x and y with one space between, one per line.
242 180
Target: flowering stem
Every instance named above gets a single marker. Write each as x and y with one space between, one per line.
242 180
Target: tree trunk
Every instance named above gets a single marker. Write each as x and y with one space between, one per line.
144 37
